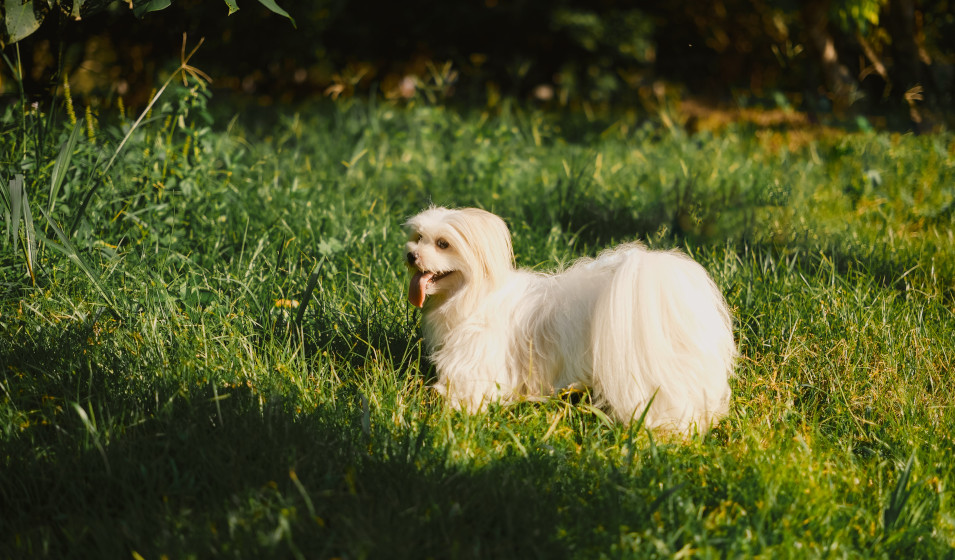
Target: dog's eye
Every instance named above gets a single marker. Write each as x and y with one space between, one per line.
442 244
417 237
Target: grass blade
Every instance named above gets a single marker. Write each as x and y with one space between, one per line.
898 498
29 237
19 204
94 435
62 164
312 281
5 209
16 200
67 248
643 415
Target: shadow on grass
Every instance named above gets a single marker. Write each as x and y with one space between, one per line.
243 478
160 468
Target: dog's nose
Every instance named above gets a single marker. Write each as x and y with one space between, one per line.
412 257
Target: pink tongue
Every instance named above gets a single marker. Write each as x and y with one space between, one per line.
418 287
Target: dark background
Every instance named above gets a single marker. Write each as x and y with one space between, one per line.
893 60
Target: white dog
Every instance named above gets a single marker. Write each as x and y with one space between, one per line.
636 326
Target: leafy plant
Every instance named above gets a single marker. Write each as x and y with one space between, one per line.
16 208
21 18
18 205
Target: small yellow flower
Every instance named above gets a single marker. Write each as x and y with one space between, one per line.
286 303
90 124
67 96
152 96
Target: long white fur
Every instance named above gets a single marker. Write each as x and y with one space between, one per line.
632 324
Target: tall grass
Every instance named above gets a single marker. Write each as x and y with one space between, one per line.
246 379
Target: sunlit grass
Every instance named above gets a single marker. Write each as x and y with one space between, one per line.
261 390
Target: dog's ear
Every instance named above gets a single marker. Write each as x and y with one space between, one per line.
488 239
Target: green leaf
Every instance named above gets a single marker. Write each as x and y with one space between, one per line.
20 19
143 7
90 7
233 7
271 5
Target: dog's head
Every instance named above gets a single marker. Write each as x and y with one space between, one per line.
450 251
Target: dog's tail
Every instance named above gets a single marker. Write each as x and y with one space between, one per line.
662 330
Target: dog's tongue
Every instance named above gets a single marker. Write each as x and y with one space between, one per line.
418 288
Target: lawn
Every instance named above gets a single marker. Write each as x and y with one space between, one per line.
206 350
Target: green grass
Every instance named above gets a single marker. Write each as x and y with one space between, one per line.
167 390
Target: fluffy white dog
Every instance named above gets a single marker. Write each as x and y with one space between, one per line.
636 326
